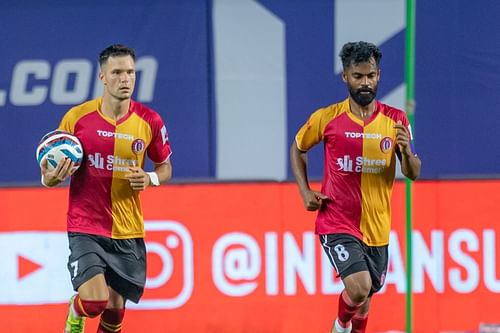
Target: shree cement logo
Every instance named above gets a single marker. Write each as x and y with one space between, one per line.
361 164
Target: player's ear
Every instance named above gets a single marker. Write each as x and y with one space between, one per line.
101 77
344 76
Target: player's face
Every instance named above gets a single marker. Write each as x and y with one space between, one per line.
118 77
362 81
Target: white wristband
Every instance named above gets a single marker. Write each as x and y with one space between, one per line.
153 176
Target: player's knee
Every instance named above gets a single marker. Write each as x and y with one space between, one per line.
358 286
359 292
93 308
359 297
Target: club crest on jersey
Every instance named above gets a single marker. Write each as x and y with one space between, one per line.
138 146
386 144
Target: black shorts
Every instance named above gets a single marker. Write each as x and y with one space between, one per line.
122 261
349 255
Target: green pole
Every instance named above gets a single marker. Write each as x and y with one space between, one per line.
410 110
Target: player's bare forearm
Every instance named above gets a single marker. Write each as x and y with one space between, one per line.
410 163
164 171
313 200
410 166
298 161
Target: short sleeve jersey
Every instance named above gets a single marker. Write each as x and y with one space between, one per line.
359 169
101 201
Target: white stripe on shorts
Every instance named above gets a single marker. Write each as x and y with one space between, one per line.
329 253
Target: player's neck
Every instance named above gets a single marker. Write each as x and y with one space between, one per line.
114 108
362 112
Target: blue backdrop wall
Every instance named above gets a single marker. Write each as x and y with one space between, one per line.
49 63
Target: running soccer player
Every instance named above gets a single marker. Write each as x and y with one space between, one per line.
107 262
361 139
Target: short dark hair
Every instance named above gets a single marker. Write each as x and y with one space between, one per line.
115 50
357 52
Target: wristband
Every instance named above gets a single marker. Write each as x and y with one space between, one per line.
153 177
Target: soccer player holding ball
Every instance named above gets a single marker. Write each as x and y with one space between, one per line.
107 262
362 138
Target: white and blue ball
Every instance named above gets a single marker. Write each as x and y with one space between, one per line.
56 145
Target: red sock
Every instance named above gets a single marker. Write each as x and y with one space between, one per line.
359 323
90 309
111 321
347 309
78 307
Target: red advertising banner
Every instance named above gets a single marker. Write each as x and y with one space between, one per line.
244 258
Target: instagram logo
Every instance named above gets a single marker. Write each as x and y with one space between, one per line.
170 275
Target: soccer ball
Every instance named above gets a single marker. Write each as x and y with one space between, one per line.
56 145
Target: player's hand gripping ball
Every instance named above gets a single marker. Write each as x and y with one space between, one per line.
56 145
